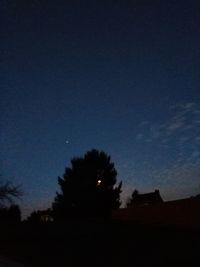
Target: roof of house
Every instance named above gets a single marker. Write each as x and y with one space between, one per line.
147 198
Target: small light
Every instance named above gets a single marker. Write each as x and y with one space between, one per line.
98 182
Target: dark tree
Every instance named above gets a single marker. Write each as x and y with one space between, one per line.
10 214
40 216
8 191
88 188
130 201
34 217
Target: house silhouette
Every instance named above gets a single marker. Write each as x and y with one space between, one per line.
180 212
145 199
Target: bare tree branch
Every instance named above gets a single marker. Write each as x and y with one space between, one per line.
8 191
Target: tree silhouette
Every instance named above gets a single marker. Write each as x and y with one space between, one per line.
88 188
130 200
8 191
10 214
38 216
34 217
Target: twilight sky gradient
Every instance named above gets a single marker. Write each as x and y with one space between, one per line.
120 76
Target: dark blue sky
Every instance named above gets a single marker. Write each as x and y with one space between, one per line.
121 76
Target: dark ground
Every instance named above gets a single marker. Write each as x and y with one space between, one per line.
100 244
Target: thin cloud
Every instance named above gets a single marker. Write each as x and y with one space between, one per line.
173 163
183 106
182 177
181 123
184 139
139 136
197 111
174 126
189 105
143 123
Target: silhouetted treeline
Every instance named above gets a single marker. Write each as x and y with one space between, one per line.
40 216
10 214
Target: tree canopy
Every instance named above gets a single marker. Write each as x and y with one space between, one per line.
88 188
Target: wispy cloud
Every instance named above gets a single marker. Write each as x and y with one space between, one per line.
184 139
184 106
174 126
197 138
139 136
143 123
181 179
172 152
175 140
183 124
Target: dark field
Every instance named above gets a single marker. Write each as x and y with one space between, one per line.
100 244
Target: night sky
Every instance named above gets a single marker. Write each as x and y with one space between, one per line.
119 76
